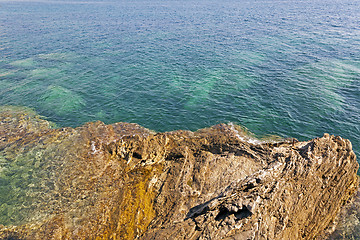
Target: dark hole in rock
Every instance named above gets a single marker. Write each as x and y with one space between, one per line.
241 214
198 228
137 155
222 214
172 156
249 186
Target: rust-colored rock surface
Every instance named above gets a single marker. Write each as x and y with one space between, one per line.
123 181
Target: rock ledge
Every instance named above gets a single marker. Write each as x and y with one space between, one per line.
122 181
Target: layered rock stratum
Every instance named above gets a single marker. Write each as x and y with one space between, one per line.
122 181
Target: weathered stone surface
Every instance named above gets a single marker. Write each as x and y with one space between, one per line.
122 181
348 223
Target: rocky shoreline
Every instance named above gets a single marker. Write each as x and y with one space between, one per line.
122 181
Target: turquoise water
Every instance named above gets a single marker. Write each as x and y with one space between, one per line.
290 68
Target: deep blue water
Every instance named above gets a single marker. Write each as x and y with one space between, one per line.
290 68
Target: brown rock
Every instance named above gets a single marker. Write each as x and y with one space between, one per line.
122 181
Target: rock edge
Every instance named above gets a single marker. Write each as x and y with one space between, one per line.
122 181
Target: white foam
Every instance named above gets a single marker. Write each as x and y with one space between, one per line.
243 137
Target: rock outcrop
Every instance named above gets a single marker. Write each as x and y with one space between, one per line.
122 181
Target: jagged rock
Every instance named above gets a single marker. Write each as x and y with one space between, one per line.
122 181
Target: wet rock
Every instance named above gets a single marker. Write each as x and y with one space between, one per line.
123 181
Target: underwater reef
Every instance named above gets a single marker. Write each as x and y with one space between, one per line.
123 181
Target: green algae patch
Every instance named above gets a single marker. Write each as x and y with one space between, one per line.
22 159
61 100
29 159
333 75
15 193
5 73
24 63
204 90
45 73
248 57
235 80
17 112
16 115
200 90
5 86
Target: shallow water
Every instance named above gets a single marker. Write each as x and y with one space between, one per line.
290 68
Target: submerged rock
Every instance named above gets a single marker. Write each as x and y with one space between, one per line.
61 100
123 181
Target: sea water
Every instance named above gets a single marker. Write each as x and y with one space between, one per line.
289 68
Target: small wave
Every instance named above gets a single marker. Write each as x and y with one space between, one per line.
243 135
